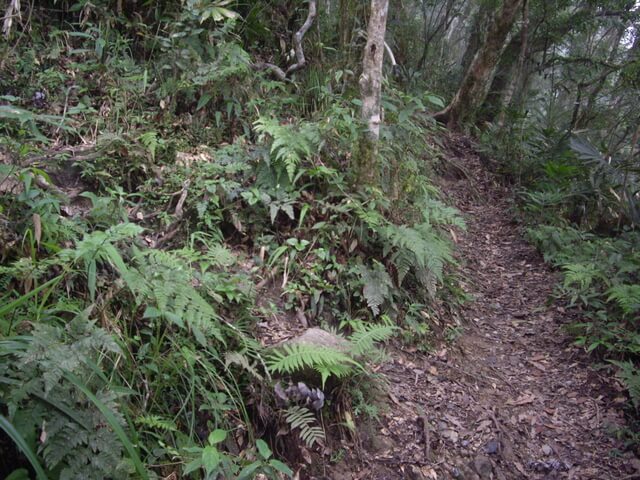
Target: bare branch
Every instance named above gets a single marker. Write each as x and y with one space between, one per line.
392 57
301 61
276 70
299 36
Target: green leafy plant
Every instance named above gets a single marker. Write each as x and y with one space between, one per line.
290 144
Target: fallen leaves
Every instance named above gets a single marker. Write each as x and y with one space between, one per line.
523 399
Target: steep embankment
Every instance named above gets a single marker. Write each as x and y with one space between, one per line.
511 398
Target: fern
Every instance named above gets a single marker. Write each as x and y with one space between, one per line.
363 340
437 213
157 422
167 285
290 144
417 248
74 439
326 361
151 142
238 358
626 296
377 286
303 419
582 274
630 377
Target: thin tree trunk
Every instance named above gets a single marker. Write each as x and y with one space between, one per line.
518 77
477 80
587 113
371 92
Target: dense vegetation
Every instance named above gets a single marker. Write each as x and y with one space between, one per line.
178 180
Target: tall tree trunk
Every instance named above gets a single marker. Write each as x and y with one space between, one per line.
518 77
371 92
479 25
477 80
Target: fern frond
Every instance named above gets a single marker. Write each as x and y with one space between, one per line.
364 339
240 359
626 296
436 212
294 358
582 274
630 377
419 248
290 144
377 286
157 423
167 285
303 419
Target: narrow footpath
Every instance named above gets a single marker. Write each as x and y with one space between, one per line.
511 398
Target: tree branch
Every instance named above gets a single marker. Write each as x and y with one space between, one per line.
301 61
276 70
299 36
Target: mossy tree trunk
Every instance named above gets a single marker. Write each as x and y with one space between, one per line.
477 80
367 168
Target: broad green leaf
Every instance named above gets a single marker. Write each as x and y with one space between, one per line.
210 458
263 449
217 436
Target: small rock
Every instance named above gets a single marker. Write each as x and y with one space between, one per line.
316 337
492 447
546 449
416 474
482 466
450 435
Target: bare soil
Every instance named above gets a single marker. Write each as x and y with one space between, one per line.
512 397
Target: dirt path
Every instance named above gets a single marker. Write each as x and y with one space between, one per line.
511 398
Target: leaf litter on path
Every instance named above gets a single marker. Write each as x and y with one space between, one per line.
512 398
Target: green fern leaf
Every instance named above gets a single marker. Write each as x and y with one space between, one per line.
303 419
630 377
364 339
296 357
627 297
377 286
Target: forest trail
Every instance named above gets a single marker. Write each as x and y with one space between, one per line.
511 397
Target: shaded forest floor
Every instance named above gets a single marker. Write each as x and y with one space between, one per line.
511 397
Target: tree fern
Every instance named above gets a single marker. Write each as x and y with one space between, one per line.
304 420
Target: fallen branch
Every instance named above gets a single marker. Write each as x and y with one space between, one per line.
299 35
301 61
426 432
183 196
276 70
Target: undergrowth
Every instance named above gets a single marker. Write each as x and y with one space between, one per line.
161 203
581 208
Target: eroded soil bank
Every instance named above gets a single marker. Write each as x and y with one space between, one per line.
512 397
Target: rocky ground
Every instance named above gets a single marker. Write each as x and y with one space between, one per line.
511 397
